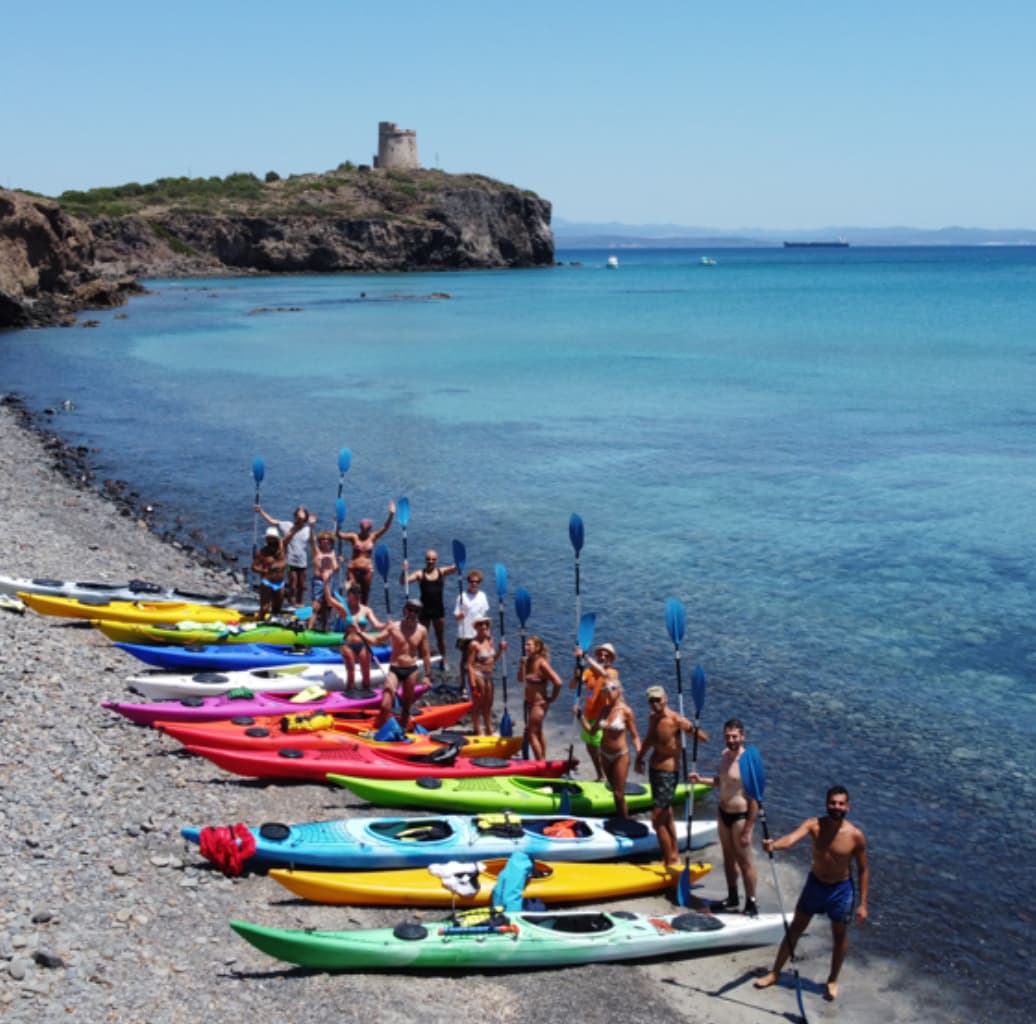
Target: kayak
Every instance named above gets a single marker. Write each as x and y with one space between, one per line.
525 795
554 882
128 611
165 684
543 939
184 633
134 590
221 658
361 759
214 709
350 844
275 734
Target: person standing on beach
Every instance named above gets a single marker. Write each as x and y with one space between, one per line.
829 886
296 551
270 567
479 662
360 568
617 719
736 816
599 671
430 584
470 606
664 738
537 674
409 640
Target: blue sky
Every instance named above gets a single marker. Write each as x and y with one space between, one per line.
743 114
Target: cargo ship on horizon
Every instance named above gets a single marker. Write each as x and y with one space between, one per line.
838 243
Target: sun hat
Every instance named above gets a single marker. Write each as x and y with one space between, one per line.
272 531
605 647
654 691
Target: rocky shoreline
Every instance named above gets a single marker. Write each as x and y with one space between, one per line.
109 915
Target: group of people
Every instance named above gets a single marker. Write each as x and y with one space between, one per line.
608 723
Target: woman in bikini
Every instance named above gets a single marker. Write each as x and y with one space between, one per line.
361 563
537 673
325 568
481 658
358 621
616 720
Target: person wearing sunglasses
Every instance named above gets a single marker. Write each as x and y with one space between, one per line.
665 740
617 719
470 605
430 582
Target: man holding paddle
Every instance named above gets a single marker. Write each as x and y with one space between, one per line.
664 739
829 887
409 640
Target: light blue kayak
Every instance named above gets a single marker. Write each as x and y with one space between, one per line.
223 658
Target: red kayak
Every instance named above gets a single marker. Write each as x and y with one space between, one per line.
370 762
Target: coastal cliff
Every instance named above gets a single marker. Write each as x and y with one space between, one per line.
85 249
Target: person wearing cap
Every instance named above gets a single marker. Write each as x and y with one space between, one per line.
270 567
598 670
616 720
664 739
470 605
360 567
297 534
326 565
430 582
409 640
357 622
481 659
736 813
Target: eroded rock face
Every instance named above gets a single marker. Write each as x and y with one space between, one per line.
48 264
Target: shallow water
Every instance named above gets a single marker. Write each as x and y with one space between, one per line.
828 456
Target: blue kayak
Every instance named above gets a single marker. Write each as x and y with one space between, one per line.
378 843
223 658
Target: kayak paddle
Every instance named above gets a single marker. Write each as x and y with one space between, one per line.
753 776
258 472
576 536
506 725
522 608
381 563
585 640
403 515
339 522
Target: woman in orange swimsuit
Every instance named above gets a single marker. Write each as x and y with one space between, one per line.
361 564
537 673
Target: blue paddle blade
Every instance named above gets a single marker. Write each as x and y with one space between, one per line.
501 580
575 531
258 469
340 511
522 604
698 689
506 725
304 612
675 620
403 512
460 556
683 887
753 775
345 458
586 630
381 560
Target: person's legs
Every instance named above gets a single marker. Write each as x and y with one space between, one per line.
726 841
839 947
745 864
798 925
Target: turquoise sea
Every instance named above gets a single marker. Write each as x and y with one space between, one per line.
828 456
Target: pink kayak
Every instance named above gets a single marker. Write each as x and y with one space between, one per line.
222 706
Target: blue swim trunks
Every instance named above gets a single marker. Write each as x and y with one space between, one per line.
834 900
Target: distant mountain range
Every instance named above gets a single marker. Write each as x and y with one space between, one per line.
576 235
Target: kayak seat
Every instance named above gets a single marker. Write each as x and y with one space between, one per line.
457 739
444 755
274 831
51 583
578 924
93 602
490 762
692 922
629 828
208 677
143 587
414 831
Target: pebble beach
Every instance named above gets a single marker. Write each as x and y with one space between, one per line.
108 915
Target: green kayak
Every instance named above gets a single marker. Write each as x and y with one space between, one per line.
225 633
482 940
522 793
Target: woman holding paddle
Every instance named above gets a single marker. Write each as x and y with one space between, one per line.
361 564
615 721
537 673
358 620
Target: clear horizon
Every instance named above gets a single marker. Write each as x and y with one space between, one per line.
775 118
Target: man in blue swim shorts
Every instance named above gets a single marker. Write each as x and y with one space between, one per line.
829 890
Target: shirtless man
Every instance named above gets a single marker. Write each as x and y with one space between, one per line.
829 887
664 739
736 814
270 566
409 640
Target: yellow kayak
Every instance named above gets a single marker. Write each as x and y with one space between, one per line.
556 882
129 611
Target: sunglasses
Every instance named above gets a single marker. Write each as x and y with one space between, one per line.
654 700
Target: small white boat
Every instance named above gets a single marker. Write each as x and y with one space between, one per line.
707 261
612 263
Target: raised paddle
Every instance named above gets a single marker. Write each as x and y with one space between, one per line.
576 536
675 624
522 608
585 640
381 563
339 523
506 725
403 515
753 777
258 472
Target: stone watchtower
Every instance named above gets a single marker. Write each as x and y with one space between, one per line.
397 148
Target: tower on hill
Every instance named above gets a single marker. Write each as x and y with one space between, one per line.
397 147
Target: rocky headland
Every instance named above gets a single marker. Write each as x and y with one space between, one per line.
88 249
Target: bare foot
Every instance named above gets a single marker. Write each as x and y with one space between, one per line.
831 991
766 980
